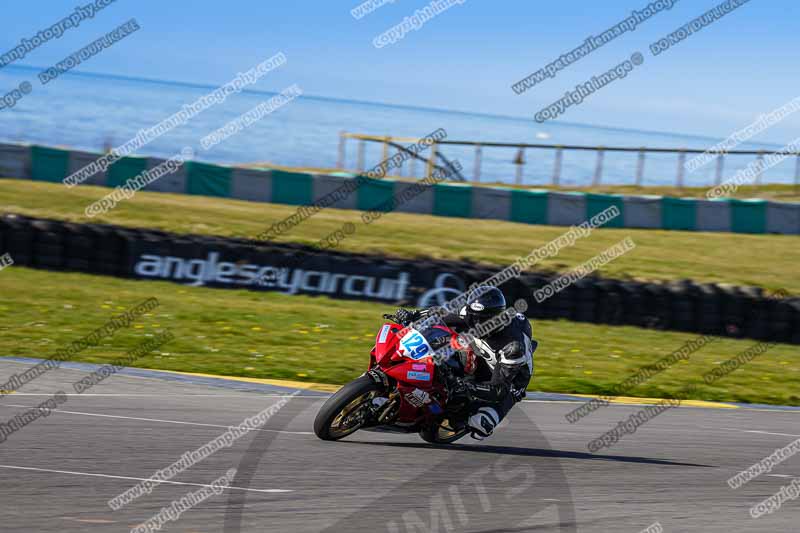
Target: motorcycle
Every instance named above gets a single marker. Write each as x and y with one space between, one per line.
405 388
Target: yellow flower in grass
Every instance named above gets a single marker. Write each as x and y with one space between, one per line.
256 328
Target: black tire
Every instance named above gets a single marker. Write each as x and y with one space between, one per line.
432 435
364 386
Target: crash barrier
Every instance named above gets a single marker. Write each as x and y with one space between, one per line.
443 199
202 260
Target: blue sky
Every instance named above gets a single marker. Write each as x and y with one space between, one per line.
465 59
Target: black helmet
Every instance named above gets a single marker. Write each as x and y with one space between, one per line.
484 303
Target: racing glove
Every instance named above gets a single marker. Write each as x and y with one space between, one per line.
406 317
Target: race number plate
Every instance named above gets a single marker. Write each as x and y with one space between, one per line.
414 346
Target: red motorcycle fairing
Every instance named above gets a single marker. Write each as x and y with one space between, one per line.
385 342
415 379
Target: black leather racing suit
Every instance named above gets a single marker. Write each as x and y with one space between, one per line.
505 363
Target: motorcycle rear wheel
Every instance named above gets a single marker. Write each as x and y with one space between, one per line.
439 434
344 413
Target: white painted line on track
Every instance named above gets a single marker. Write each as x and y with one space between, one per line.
62 411
109 476
779 475
758 431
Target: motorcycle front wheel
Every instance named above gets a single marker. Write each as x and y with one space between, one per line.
346 411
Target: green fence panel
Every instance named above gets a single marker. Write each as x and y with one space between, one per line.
208 180
49 164
125 169
748 216
452 200
291 188
597 203
375 195
678 214
529 207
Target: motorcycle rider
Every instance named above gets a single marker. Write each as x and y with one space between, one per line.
505 357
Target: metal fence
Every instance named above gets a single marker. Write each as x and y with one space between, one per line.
522 149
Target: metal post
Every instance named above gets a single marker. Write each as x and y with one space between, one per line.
720 167
797 175
360 156
519 161
640 168
760 163
342 145
431 160
477 173
681 163
598 169
385 154
412 169
557 167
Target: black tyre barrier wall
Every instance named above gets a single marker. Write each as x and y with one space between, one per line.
743 312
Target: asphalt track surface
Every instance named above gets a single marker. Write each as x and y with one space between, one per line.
58 473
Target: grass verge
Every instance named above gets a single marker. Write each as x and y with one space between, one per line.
271 335
769 261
